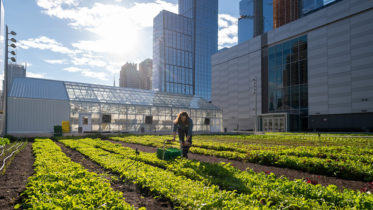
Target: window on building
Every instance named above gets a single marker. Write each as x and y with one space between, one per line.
106 118
287 77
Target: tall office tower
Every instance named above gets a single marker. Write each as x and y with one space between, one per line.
129 76
145 71
173 54
256 18
285 11
183 45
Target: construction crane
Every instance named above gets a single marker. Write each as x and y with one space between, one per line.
246 17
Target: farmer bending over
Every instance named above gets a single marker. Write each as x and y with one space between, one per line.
184 126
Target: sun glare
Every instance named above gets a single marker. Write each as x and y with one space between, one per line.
117 37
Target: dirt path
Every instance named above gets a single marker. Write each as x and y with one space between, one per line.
131 192
13 182
289 173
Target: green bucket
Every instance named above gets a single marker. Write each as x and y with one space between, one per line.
57 130
168 154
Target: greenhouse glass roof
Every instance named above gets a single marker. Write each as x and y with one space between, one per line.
81 92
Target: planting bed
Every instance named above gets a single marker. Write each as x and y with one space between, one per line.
232 172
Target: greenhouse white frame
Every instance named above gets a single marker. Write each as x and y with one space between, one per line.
36 105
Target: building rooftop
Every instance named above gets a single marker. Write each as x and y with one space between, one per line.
81 92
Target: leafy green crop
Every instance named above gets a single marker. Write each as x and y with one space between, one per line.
348 162
269 190
59 183
4 141
183 192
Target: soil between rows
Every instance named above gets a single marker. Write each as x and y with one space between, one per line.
13 182
289 173
131 192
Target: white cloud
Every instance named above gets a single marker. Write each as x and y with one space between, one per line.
116 26
44 43
35 75
27 64
49 4
228 29
88 73
88 60
74 69
96 75
57 61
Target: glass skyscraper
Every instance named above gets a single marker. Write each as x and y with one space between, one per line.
256 18
182 47
173 53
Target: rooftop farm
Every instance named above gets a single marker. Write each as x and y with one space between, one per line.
271 171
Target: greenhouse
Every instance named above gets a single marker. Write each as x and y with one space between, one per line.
37 105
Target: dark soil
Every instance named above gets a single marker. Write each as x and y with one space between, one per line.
132 193
289 173
13 182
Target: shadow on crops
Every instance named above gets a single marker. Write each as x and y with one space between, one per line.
218 174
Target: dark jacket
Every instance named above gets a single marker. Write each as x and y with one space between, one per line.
185 127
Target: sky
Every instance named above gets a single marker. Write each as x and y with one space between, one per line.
89 40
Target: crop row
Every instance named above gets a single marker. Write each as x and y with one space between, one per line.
309 140
277 193
322 134
4 141
183 192
344 152
59 183
309 160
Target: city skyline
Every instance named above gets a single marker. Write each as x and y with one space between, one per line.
71 40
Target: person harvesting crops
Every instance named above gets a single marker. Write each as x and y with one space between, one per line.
183 124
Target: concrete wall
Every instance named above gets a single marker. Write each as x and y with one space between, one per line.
36 116
233 71
340 64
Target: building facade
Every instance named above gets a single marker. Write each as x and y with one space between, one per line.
256 18
145 71
314 73
129 76
182 47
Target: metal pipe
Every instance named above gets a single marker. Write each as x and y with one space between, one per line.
5 92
